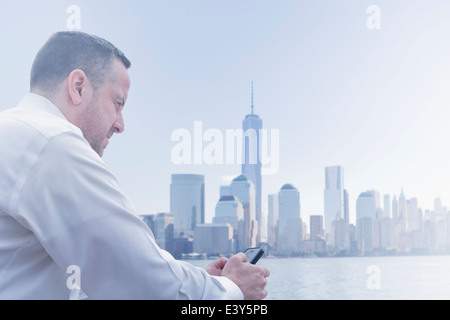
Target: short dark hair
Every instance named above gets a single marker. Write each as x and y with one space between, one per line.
69 50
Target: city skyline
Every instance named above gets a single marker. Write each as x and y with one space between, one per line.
380 201
409 230
374 101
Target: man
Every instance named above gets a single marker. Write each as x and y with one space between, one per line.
66 229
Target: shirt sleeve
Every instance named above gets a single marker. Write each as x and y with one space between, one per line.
74 206
233 291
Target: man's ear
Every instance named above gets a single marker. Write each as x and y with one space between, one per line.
78 86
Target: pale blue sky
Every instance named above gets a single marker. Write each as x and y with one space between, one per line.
373 101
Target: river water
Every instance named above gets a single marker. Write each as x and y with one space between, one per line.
348 278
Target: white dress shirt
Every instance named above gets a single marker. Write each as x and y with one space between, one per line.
65 222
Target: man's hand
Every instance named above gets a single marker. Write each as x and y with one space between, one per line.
215 268
251 279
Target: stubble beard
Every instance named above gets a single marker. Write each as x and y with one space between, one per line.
89 123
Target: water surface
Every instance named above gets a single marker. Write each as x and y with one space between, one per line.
398 277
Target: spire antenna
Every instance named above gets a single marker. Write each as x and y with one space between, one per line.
252 96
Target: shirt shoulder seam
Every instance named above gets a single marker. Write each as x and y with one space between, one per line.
13 206
67 130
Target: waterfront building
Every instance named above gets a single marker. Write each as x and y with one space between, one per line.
289 234
187 203
333 198
214 239
230 210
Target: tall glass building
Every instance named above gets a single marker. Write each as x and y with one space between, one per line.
230 210
251 166
244 190
333 197
187 203
316 227
272 218
366 206
289 235
402 207
395 209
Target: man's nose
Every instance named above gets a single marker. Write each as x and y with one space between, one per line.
119 125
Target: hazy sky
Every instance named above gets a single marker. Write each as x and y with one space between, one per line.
376 102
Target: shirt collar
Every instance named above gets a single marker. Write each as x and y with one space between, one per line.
33 100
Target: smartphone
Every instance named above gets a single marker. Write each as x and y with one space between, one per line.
253 254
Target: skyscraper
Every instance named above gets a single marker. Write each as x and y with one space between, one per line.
244 190
387 205
230 210
365 230
272 218
164 230
187 203
402 209
395 209
366 206
413 219
251 166
333 196
214 238
346 207
366 215
438 205
289 235
315 226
